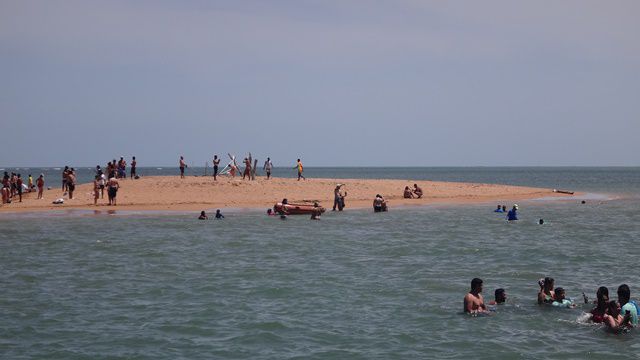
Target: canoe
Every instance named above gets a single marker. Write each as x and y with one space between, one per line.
296 209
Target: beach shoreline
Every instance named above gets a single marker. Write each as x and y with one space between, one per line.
196 193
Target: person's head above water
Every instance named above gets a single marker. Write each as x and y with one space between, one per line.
541 221
602 295
559 294
547 283
613 308
500 296
269 211
624 294
476 285
202 213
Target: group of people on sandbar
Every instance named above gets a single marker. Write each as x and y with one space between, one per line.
415 193
616 315
13 185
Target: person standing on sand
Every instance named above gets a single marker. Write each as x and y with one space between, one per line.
300 170
216 163
267 167
247 168
96 189
40 184
122 168
473 301
112 190
64 178
183 165
19 186
134 163
71 183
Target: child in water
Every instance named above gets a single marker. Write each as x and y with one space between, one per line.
560 300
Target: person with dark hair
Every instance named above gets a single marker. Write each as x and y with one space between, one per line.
627 308
602 304
132 172
614 320
40 184
561 301
417 191
546 294
219 215
216 163
300 170
541 221
379 204
408 194
19 186
268 165
498 210
473 301
203 216
500 297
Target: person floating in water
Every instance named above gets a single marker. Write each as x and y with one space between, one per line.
498 210
473 301
219 215
541 221
203 216
512 215
561 301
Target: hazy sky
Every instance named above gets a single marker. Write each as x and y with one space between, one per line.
430 83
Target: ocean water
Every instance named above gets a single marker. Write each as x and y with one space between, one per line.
355 285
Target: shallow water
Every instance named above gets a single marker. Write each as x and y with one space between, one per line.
353 285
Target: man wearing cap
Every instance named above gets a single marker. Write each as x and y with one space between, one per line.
512 214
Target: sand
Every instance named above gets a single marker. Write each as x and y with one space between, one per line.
170 193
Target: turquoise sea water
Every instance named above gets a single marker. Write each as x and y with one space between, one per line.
355 285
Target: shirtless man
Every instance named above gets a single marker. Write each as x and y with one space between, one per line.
267 167
473 301
183 165
216 163
133 167
40 185
408 194
247 168
112 190
71 183
417 190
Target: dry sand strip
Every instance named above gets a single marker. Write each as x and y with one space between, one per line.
197 193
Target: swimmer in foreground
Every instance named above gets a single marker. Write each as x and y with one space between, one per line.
614 320
546 294
203 216
473 301
219 215
561 301
270 212
541 221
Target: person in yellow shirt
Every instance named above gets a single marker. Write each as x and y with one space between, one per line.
300 169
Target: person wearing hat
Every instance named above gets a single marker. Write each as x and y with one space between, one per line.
512 215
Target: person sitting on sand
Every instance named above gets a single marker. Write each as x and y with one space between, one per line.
417 191
498 210
203 216
219 215
500 297
546 294
71 182
379 204
408 194
512 215
602 305
473 301
561 301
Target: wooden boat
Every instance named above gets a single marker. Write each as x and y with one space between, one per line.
297 209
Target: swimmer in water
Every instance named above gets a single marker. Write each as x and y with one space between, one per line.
473 301
219 215
500 297
203 216
270 212
561 301
614 320
546 294
602 305
498 210
627 308
541 221
512 215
